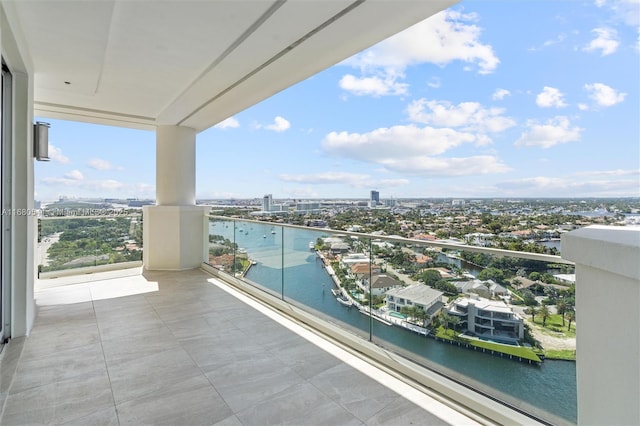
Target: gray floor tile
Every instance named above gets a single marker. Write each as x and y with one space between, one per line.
193 402
58 402
302 404
247 382
138 377
63 365
403 412
106 417
359 394
187 354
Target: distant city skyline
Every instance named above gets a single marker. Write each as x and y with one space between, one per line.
484 100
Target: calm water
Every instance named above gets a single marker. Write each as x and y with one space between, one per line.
550 387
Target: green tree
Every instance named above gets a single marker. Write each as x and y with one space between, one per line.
544 311
571 316
561 308
491 274
533 311
430 277
454 321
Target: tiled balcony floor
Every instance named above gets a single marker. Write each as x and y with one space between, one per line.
188 350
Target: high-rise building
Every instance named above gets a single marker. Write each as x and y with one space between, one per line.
375 197
267 202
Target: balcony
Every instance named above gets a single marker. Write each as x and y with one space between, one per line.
186 348
151 313
212 325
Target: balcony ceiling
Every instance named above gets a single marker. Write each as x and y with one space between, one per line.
190 63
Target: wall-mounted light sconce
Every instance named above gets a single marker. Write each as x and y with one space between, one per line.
41 141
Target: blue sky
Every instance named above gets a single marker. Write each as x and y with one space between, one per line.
485 99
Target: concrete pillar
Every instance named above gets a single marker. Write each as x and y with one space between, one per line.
174 231
175 166
608 322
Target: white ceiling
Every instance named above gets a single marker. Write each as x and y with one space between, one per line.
193 63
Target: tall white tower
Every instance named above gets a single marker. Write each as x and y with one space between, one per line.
267 202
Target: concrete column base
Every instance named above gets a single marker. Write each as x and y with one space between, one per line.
174 237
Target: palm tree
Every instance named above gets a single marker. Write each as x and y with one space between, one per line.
533 311
561 308
544 311
454 321
571 316
446 320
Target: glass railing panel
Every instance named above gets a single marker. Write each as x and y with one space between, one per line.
251 251
315 280
477 310
68 243
302 266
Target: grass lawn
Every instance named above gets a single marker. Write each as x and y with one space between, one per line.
568 354
519 351
553 325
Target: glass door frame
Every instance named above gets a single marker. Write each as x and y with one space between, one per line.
6 121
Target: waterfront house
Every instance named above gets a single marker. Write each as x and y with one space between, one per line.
363 270
490 319
424 297
380 284
481 288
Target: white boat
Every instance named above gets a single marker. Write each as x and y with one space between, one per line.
344 300
312 245
341 298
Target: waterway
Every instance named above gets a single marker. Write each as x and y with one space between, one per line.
550 387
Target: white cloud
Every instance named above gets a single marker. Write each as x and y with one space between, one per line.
571 186
434 83
443 38
470 116
555 131
229 123
55 154
412 149
550 42
74 179
550 97
100 164
500 94
604 95
625 11
279 125
432 166
356 180
583 107
375 86
74 175
606 41
394 142
616 172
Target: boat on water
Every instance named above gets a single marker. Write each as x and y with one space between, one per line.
312 245
344 301
273 231
341 298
